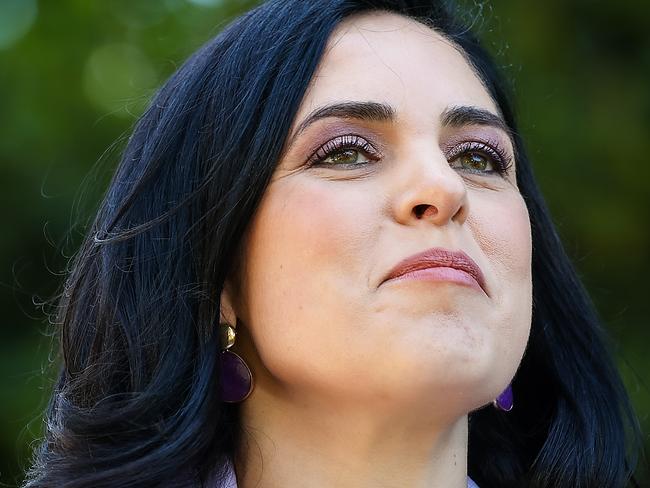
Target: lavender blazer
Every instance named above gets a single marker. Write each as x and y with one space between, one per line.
231 480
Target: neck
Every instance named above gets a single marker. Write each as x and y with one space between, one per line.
323 444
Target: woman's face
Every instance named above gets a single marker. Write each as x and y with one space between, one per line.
374 172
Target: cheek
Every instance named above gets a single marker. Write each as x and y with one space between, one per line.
303 248
501 226
309 225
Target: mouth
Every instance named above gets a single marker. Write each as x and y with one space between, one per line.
439 264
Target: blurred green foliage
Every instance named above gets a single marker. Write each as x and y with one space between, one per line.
75 75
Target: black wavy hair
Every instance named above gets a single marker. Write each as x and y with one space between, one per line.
136 402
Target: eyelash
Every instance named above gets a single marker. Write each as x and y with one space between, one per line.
340 144
492 149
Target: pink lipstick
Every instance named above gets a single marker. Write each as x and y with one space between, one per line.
439 264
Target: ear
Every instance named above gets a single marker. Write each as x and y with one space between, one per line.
227 305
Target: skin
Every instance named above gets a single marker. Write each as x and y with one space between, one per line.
360 383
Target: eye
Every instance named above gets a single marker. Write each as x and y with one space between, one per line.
345 156
344 151
481 158
475 161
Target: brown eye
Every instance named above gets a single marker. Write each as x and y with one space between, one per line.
475 161
345 156
480 158
348 151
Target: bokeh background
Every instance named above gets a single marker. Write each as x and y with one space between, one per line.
74 76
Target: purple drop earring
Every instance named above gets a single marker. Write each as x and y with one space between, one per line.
236 377
505 400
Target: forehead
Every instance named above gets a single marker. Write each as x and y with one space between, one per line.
390 58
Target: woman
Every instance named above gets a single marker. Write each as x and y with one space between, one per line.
324 261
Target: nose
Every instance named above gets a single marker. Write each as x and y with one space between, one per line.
429 190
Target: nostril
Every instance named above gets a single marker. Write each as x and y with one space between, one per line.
422 209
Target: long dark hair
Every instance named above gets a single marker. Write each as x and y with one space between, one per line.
137 402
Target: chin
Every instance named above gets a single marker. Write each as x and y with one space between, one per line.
462 379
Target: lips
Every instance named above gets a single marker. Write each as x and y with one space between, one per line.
437 257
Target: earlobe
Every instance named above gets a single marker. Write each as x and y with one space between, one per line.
227 305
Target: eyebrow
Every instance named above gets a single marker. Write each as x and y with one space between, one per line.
461 115
371 111
454 116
